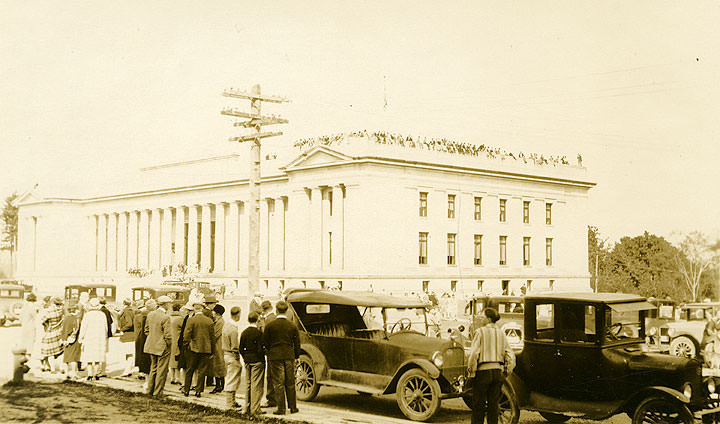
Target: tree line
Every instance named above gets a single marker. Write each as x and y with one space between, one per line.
651 266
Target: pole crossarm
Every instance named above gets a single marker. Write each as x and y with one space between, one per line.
255 136
239 94
262 121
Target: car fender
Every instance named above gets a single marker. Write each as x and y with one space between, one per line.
518 388
423 364
637 397
319 361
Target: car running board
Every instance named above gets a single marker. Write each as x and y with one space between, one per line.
350 386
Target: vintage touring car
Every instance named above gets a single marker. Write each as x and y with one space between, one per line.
374 344
687 335
11 302
511 316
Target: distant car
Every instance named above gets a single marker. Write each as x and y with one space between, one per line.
178 294
656 332
108 291
11 302
584 357
687 335
511 309
374 344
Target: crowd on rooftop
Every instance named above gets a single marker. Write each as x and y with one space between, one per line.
438 145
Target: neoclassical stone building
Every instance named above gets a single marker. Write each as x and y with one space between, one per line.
359 211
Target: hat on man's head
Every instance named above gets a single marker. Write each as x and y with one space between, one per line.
198 300
210 298
187 306
127 301
219 309
234 310
57 301
266 305
93 303
163 300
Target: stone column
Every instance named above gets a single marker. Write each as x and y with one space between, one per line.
154 239
166 238
338 259
143 238
280 226
179 235
112 242
219 265
192 236
205 238
122 235
132 240
102 242
316 228
232 246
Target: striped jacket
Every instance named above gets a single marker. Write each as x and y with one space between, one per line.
488 350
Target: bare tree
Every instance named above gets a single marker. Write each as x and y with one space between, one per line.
696 255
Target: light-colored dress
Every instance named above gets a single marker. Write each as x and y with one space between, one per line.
28 318
93 336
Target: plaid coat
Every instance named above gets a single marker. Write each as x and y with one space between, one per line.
51 319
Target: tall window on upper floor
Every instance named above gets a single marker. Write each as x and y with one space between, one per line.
423 256
503 250
548 251
451 206
451 248
526 212
478 208
548 213
526 251
423 203
503 210
478 249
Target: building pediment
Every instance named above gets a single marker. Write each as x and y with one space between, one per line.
317 156
30 196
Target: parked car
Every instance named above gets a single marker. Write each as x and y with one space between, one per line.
656 332
511 311
108 291
374 344
584 358
11 302
178 294
687 335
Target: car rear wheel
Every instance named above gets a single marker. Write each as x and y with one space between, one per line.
509 411
554 418
418 395
659 410
684 347
306 384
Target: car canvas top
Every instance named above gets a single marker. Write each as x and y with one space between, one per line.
589 297
353 298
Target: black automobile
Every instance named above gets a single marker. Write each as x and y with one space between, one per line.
584 357
374 344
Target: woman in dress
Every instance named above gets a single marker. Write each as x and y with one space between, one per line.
28 316
70 337
142 359
176 320
93 337
51 319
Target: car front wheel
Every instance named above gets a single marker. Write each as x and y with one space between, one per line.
656 410
418 395
306 384
684 347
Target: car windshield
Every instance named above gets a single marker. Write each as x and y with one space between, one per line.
396 319
623 325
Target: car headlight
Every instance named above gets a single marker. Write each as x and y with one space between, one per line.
711 385
671 332
652 331
687 390
437 359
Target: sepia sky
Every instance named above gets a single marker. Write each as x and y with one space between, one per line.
94 88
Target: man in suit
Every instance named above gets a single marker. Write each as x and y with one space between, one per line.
266 318
231 351
199 340
281 341
108 317
252 352
157 345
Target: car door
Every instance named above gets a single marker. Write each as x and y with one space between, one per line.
538 363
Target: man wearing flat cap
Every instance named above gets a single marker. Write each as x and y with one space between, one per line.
157 345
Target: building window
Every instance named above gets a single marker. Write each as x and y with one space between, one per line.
267 284
423 204
548 213
330 247
451 206
503 250
526 251
551 285
526 212
451 249
528 287
548 251
453 286
505 287
340 285
480 284
304 283
478 208
330 202
478 249
322 284
423 249
503 206
425 286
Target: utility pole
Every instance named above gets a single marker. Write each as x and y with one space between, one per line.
597 276
256 121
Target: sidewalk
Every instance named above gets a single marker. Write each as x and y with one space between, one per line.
308 412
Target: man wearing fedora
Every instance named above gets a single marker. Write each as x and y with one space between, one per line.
157 345
199 340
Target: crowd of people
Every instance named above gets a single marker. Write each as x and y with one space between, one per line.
438 145
195 344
